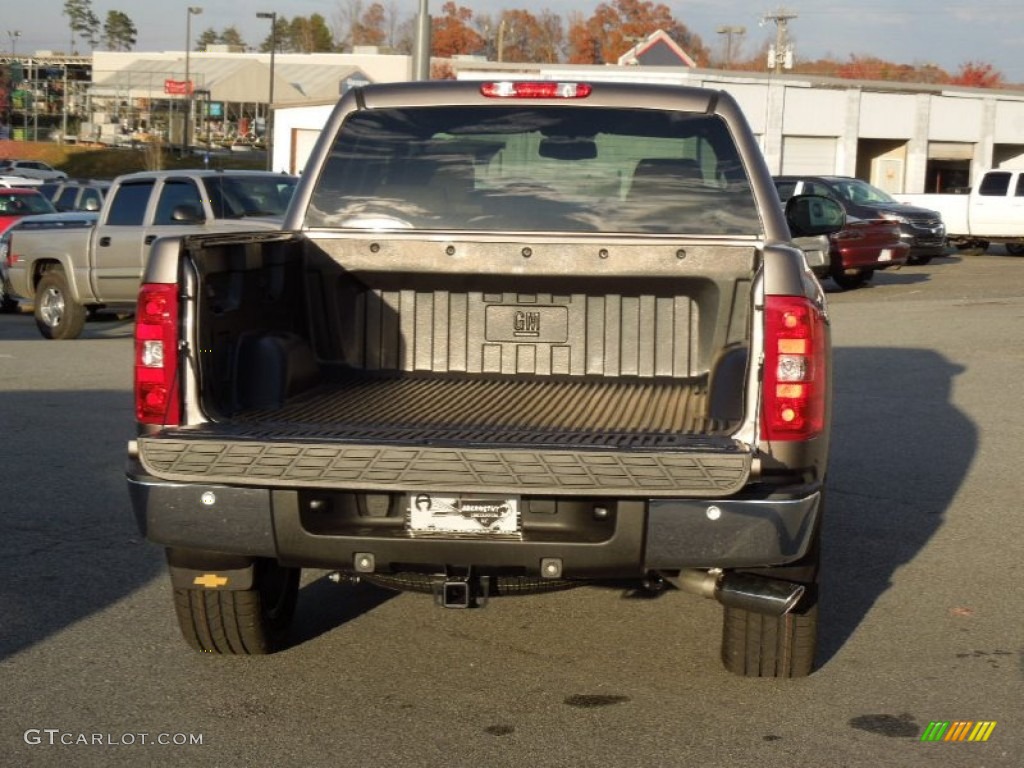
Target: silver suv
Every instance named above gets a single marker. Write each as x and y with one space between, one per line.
75 194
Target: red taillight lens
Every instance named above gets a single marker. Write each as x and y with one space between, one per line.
156 344
795 375
514 89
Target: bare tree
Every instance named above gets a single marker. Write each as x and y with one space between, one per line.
345 20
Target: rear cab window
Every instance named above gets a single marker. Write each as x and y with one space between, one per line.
535 168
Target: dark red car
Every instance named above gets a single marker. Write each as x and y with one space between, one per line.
16 202
863 246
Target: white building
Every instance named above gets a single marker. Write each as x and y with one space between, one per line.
903 137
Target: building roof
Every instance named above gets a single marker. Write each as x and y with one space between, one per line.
227 78
657 50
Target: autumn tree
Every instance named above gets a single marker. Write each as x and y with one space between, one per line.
616 27
521 36
360 24
369 29
119 32
975 74
452 33
346 18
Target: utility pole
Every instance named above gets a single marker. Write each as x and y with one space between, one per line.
421 44
729 33
781 54
501 40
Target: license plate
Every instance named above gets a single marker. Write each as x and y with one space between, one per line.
476 514
885 255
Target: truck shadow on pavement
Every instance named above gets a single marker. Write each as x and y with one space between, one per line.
325 606
900 452
69 547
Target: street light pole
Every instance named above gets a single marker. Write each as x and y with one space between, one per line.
269 123
9 116
193 10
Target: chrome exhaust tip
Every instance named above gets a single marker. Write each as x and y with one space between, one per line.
759 594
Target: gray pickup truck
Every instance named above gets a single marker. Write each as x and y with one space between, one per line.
513 337
76 262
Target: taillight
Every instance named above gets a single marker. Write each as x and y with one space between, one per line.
795 375
157 398
516 89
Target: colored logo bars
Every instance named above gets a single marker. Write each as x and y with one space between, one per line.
958 730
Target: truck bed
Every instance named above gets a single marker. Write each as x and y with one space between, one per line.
412 432
331 364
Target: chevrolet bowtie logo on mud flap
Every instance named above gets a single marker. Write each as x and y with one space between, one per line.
526 323
210 581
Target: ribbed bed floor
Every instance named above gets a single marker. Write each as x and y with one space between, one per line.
621 413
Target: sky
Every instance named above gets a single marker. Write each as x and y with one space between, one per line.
938 32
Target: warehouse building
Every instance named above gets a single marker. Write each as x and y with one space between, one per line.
903 137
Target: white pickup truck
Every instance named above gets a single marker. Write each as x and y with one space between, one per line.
992 212
74 263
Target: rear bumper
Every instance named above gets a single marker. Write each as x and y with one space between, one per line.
872 257
924 241
17 278
626 539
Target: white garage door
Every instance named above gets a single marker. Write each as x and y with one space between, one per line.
808 155
303 140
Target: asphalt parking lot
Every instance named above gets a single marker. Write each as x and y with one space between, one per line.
923 618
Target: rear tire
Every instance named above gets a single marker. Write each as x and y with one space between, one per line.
8 304
848 279
58 316
757 645
240 622
972 246
1015 249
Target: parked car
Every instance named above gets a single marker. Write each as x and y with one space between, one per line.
922 229
18 181
30 169
851 256
862 247
15 203
76 194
